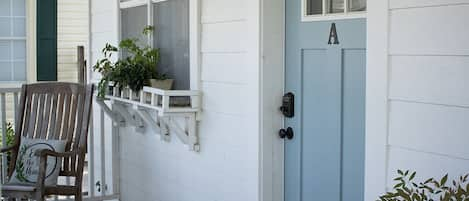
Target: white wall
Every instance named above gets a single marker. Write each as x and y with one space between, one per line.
103 138
422 65
227 167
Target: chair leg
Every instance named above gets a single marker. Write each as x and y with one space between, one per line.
39 197
79 197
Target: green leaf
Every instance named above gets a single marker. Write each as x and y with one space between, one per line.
444 180
398 185
412 176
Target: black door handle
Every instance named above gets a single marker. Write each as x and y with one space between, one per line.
288 133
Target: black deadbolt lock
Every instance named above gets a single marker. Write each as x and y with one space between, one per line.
288 105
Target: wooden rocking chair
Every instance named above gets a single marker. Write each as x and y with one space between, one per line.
55 111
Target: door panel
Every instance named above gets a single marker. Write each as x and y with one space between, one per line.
320 81
325 160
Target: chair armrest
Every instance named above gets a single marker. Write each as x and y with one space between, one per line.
7 149
43 153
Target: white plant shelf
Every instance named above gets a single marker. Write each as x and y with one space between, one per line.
172 107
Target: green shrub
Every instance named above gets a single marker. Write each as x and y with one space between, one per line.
406 189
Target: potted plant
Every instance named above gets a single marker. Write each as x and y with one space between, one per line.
136 69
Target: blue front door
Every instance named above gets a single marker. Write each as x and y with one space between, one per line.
325 69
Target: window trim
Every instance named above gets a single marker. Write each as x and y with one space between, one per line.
194 33
329 16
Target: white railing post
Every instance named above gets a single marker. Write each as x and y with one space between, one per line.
91 177
4 135
103 154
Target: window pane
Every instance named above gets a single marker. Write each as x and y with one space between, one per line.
314 7
19 71
357 5
5 50
19 27
5 24
5 71
172 37
335 6
133 21
19 8
4 7
19 50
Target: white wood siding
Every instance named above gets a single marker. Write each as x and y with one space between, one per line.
227 167
427 101
72 31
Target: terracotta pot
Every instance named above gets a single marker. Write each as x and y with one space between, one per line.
162 84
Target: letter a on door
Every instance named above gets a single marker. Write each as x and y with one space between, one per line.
333 35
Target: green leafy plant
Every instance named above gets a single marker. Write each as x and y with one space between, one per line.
133 70
406 189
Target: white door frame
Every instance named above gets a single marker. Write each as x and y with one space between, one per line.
272 17
377 91
272 88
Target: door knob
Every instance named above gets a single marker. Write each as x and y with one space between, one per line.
286 133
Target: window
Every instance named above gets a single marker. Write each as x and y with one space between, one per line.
12 41
333 9
170 19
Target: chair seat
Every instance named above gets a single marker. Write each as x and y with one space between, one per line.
22 188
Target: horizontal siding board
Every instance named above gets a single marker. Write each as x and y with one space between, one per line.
225 98
430 128
412 34
224 67
427 165
399 4
224 37
234 10
434 79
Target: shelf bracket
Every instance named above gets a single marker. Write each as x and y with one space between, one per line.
188 137
129 116
154 125
116 118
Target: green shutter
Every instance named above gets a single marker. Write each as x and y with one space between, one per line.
47 40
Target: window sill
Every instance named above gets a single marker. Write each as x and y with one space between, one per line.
338 16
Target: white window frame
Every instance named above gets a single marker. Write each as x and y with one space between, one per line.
329 16
194 33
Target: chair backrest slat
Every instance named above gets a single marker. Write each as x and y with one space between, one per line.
24 112
53 117
45 117
32 118
40 115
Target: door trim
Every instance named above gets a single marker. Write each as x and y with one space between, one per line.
272 43
377 108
